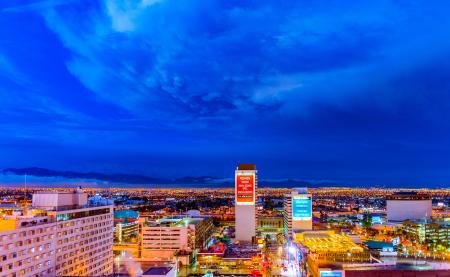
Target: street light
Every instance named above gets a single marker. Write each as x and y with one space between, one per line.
292 249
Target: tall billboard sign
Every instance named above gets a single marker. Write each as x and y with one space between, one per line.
245 188
301 207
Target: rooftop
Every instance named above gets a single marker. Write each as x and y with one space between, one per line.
373 244
327 241
162 270
408 195
175 221
126 214
246 167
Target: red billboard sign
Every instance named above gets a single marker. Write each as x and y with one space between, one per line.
245 188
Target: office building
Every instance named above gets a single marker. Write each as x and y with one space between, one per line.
408 205
163 238
246 184
297 212
61 235
434 234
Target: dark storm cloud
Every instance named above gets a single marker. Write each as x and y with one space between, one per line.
335 90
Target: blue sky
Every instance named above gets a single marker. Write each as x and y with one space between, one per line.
353 91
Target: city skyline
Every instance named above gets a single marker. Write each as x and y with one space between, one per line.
355 93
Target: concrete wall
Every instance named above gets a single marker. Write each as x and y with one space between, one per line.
304 225
245 222
59 199
399 210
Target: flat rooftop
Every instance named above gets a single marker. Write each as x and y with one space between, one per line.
246 167
327 241
161 270
408 195
175 221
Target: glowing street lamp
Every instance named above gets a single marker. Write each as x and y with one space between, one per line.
292 250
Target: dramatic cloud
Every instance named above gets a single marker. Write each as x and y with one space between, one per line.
357 91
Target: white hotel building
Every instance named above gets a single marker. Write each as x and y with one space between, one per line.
246 185
61 235
301 219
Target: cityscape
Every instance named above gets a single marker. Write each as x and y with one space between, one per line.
203 138
240 231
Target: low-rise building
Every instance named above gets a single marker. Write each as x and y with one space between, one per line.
269 225
163 238
126 226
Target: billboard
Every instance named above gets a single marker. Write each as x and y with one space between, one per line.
301 207
245 189
331 274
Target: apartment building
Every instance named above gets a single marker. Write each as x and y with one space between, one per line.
61 235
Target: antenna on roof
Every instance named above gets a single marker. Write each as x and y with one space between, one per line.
25 184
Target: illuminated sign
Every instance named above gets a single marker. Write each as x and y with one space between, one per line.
396 241
377 219
245 189
301 207
331 274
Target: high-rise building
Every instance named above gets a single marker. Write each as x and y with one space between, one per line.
60 236
246 184
408 205
297 212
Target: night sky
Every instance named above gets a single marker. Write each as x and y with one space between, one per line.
349 91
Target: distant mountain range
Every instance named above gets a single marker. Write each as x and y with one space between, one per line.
134 179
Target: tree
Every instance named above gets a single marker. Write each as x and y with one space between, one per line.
367 221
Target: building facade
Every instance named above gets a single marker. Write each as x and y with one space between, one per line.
297 212
408 205
270 226
163 238
434 234
61 236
